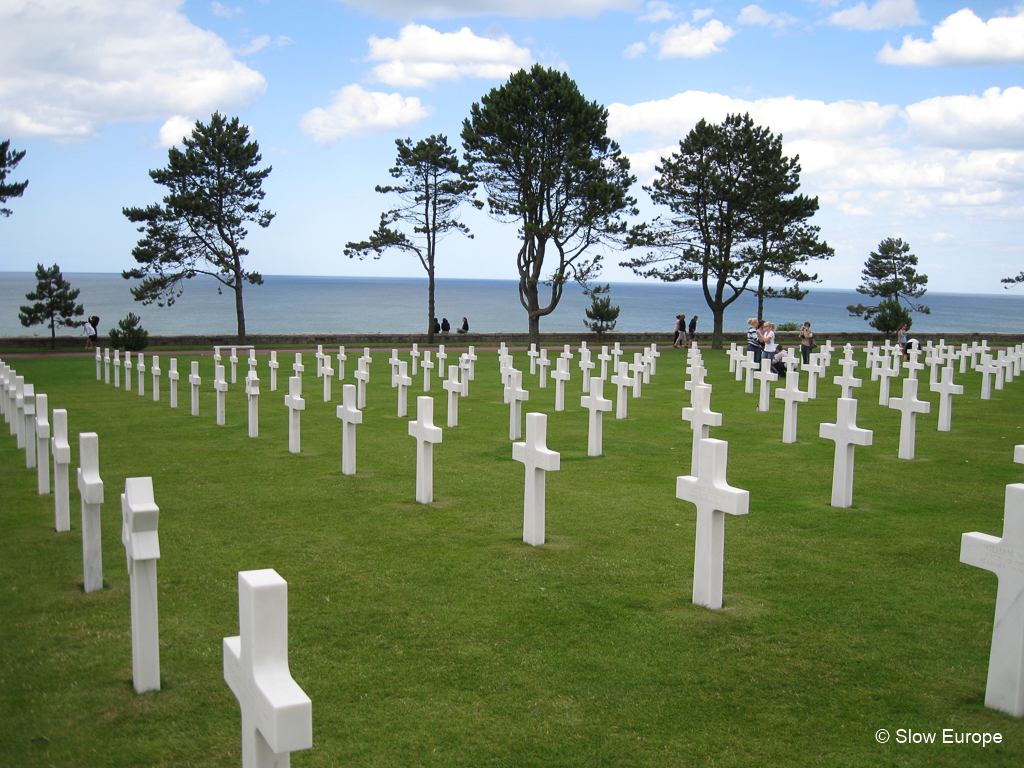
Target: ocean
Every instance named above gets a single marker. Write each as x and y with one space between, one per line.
289 304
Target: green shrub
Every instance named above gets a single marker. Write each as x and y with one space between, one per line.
129 334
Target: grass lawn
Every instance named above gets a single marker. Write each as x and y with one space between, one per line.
432 635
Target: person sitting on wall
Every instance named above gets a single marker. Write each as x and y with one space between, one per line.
465 326
445 325
437 326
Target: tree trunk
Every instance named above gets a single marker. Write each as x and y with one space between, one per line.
430 305
239 309
716 334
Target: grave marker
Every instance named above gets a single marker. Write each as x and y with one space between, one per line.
42 445
533 354
154 371
539 460
90 486
714 498
597 404
604 358
28 426
99 363
106 365
61 460
1004 557
403 382
297 366
846 435
765 376
127 371
277 716
543 364
274 365
117 369
222 388
342 357
328 375
426 435
350 416
252 395
701 419
515 395
140 367
455 388
428 367
946 390
173 375
560 375
622 380
139 519
415 354
195 381
296 405
909 406
792 396
362 376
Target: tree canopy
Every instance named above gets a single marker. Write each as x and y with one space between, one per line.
890 275
542 153
735 217
54 302
432 185
9 160
214 191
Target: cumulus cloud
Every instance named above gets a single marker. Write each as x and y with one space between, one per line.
421 56
531 9
963 40
174 130
755 15
69 67
993 119
355 112
884 14
657 10
691 42
223 11
261 42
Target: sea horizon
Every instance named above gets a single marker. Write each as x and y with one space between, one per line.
287 304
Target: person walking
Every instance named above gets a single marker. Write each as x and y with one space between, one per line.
677 331
693 329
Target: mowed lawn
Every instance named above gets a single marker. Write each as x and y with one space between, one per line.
432 635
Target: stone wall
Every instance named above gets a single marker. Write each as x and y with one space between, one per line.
310 340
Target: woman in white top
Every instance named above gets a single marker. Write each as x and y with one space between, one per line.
768 334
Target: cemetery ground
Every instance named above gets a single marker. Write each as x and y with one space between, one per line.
432 635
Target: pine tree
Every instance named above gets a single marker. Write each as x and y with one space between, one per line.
54 302
603 316
890 274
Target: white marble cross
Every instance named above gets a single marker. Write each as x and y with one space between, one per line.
277 716
439 360
90 486
533 354
543 364
539 460
393 361
846 435
560 375
106 365
328 374
342 357
139 520
604 358
505 366
253 362
887 369
428 367
320 360
454 387
117 368
350 416
637 368
909 406
736 355
622 380
61 459
847 381
127 371
296 405
987 368
18 415
222 389
140 366
415 354
99 363
471 358
252 395
701 419
402 382
586 365
233 359
174 376
814 368
515 395
297 366
750 366
1005 558
792 396
42 433
194 381
765 376
29 425
616 354
362 376
654 354
216 355
274 365
426 435
154 371
595 402
912 365
946 389
711 493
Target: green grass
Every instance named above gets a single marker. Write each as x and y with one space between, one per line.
431 635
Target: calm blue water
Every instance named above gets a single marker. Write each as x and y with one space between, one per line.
396 305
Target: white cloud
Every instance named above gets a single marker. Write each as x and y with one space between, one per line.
994 119
884 14
174 130
261 42
421 56
634 50
755 15
657 10
686 41
223 11
69 67
531 9
355 112
963 40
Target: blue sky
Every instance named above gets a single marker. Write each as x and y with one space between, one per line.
908 116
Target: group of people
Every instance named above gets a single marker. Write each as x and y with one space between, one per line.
444 326
680 330
761 341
